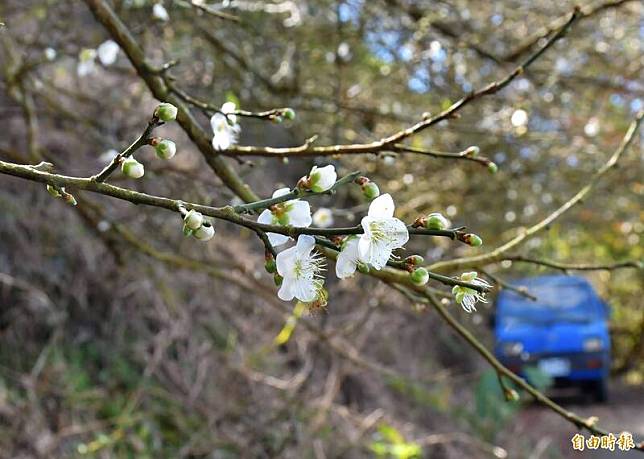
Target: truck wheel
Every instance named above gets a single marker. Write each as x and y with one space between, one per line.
600 390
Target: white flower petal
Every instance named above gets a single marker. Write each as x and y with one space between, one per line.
305 289
347 262
286 290
281 192
285 261
277 239
323 177
396 231
86 68
373 253
299 214
305 244
266 217
108 52
382 207
228 108
323 217
160 13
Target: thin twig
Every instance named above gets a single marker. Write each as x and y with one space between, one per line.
387 142
141 141
499 253
575 266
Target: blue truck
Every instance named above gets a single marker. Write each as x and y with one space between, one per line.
564 332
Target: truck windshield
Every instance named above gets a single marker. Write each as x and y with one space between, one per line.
555 302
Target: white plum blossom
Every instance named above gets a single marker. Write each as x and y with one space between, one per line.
291 213
86 62
50 54
382 233
348 259
321 179
159 12
107 52
205 232
301 270
323 217
468 297
224 127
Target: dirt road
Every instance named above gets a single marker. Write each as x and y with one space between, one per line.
623 412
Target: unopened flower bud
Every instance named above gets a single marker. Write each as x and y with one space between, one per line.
132 168
493 168
436 221
511 395
193 219
277 119
419 276
165 149
277 279
361 180
270 265
414 260
53 191
69 199
370 190
472 239
288 113
205 232
472 151
166 112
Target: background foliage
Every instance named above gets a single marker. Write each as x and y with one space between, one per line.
120 338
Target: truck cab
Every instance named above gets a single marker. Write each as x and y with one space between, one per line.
564 332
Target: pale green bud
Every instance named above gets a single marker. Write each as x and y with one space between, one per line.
132 168
436 221
414 260
193 220
288 113
53 191
370 191
419 276
166 112
473 240
493 168
70 199
205 232
166 149
270 266
511 395
472 151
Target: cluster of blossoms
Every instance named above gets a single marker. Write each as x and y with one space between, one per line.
197 226
382 234
164 148
107 53
224 127
298 270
